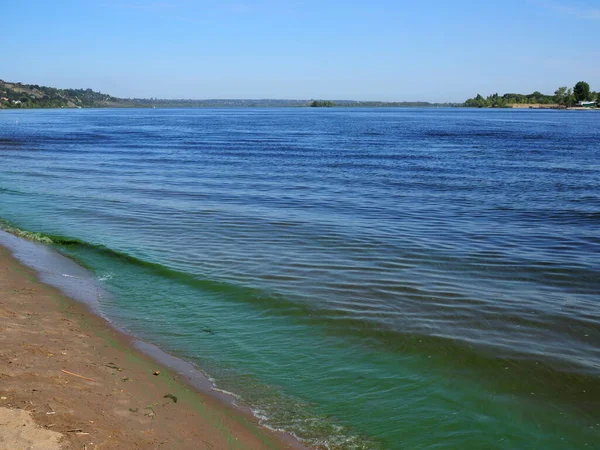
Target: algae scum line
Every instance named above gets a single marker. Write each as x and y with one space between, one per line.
362 279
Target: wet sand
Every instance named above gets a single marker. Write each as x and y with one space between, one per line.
68 380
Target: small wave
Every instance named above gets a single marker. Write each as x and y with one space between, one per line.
30 236
263 420
106 277
223 391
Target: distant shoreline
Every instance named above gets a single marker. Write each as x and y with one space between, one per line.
515 107
33 96
559 107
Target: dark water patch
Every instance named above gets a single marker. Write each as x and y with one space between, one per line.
469 133
535 137
560 217
11 192
38 140
10 143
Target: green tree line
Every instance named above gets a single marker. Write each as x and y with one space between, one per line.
321 104
563 96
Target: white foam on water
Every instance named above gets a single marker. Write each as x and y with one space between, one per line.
223 391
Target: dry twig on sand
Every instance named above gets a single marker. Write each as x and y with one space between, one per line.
79 376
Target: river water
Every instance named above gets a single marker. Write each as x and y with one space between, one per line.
363 278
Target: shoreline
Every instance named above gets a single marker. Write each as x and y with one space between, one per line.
550 107
51 340
520 106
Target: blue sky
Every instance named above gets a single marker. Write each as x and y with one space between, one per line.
430 50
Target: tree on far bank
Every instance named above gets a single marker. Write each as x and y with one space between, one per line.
560 95
581 91
322 104
477 102
570 99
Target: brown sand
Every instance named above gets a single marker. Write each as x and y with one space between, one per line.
534 106
18 430
51 348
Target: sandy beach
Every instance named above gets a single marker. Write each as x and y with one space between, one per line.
70 381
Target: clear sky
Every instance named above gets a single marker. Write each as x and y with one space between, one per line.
394 50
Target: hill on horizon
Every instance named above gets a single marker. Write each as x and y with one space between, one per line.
17 95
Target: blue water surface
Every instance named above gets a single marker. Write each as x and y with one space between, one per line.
363 278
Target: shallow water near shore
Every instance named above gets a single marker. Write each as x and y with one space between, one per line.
373 278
